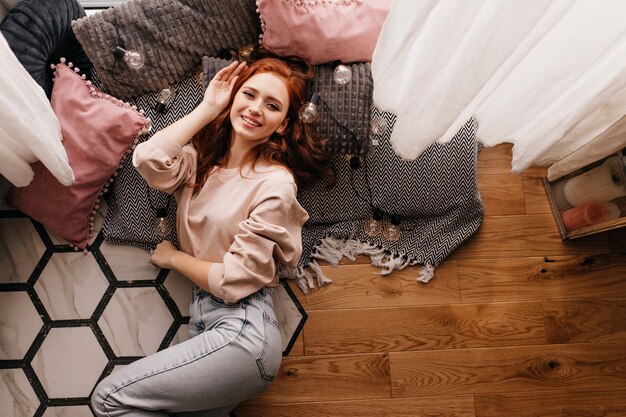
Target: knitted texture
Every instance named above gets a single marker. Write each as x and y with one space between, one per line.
40 33
348 105
172 35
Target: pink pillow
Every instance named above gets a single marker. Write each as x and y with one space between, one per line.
323 31
97 130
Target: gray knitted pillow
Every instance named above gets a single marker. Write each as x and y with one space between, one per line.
172 35
210 67
350 105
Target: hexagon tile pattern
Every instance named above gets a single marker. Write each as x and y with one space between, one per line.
68 318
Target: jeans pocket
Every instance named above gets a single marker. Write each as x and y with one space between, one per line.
268 360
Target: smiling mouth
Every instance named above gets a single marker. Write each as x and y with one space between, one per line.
250 121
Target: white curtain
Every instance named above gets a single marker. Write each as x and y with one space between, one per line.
548 76
29 130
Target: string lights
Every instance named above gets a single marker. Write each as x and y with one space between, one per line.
131 57
378 126
164 99
308 112
162 226
342 74
379 223
373 225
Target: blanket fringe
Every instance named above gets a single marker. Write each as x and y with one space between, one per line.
322 279
426 273
332 250
387 265
329 250
303 278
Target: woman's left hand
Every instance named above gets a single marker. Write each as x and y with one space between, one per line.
162 255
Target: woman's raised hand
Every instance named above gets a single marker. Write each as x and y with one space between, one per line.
218 91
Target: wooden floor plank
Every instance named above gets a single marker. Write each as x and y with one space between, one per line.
510 369
424 328
329 378
502 194
535 199
523 236
539 278
450 406
362 286
585 321
516 323
495 159
576 403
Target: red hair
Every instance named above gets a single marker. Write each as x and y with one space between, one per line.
297 148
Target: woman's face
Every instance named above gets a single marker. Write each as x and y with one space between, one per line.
260 108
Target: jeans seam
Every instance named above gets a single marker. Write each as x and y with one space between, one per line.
266 302
260 360
104 407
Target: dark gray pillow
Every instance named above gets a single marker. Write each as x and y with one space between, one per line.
173 35
348 105
210 67
39 32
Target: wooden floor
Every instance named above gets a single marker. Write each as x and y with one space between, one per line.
515 323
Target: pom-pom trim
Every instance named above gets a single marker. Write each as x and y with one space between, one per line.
94 93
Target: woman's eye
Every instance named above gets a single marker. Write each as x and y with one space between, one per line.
273 106
248 94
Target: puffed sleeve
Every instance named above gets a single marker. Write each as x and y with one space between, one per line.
272 234
164 164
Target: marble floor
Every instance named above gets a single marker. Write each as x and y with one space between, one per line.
68 318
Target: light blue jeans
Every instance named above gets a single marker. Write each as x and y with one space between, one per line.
234 353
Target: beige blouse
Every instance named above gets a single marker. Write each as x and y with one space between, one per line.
245 224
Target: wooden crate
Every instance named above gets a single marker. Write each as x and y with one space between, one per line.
554 190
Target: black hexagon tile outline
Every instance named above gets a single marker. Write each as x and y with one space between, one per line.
25 364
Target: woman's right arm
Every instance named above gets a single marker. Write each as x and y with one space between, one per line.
164 160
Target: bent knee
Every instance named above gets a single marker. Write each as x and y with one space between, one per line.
103 403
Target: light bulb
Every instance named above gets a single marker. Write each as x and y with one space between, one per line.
164 99
392 230
132 58
355 162
162 226
379 124
308 113
342 74
244 52
372 226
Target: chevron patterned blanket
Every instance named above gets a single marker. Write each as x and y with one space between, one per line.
132 203
435 198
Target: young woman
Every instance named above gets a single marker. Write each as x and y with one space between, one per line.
237 219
